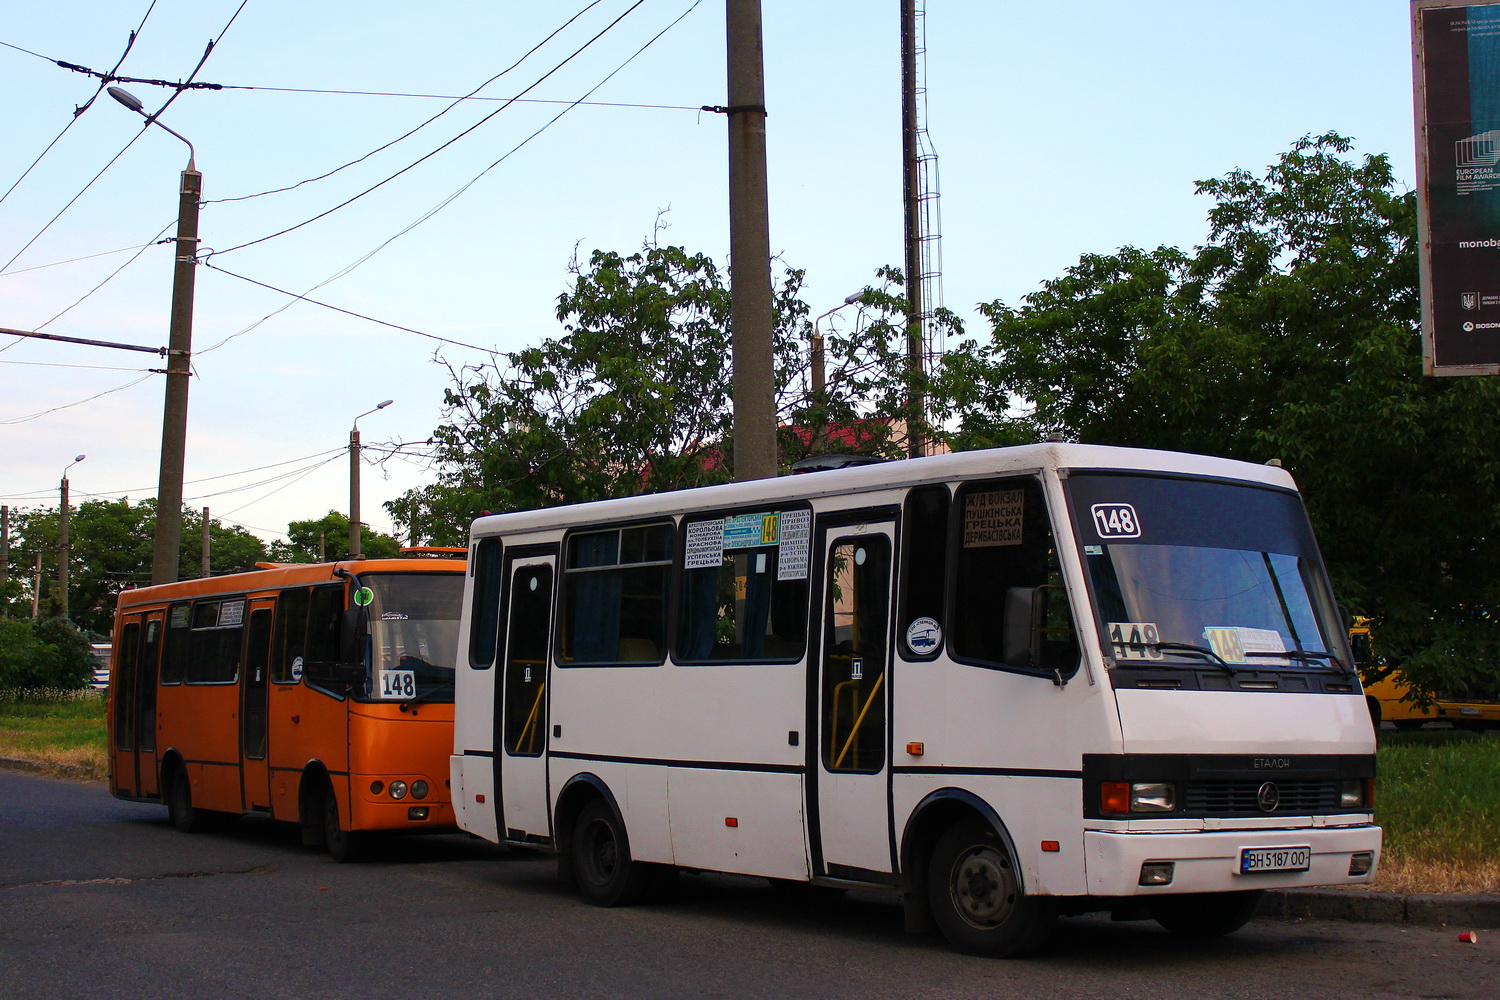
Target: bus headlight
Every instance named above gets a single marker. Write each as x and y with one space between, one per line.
419 789
398 789
1123 797
1351 794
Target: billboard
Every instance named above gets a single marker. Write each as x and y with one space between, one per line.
1456 79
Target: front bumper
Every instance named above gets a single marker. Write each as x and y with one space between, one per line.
1209 861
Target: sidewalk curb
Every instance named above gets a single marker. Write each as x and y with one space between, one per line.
1428 910
79 771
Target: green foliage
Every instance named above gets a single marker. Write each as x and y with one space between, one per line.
110 546
1438 798
1291 334
49 653
636 395
332 530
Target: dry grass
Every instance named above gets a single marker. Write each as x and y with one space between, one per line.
54 728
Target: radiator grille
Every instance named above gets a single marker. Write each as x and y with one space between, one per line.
1228 798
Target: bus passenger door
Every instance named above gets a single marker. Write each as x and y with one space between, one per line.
134 677
521 710
253 709
851 811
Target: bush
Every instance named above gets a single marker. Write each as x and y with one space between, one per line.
51 653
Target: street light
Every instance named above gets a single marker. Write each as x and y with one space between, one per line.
164 553
62 539
354 480
817 344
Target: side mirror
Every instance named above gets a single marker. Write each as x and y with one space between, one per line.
1025 614
354 628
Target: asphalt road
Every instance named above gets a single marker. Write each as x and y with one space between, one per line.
100 898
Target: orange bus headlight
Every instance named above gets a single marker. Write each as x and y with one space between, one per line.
419 789
398 789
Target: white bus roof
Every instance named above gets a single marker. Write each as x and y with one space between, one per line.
886 475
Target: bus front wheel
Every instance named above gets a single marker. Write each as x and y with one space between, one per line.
605 873
343 845
976 895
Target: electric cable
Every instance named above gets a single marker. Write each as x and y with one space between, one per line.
149 119
455 103
78 111
43 413
411 166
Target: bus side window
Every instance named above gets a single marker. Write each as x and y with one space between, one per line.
323 621
615 595
924 572
484 615
741 609
291 636
217 628
1005 541
179 635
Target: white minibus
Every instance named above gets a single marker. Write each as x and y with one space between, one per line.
1005 685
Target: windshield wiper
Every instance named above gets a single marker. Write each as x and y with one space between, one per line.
1304 655
1187 647
436 689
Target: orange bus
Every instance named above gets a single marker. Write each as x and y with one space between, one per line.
318 694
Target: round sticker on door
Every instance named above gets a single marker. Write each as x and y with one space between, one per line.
924 636
297 669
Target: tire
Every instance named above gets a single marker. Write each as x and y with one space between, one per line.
976 895
602 867
1373 704
344 846
180 810
1408 725
1205 915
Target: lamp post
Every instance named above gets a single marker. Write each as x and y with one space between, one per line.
62 539
164 553
354 480
817 365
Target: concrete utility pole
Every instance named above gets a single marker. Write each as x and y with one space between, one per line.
4 549
749 247
165 550
354 512
916 445
206 571
62 540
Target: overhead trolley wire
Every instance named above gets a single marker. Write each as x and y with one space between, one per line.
431 212
456 101
411 166
78 111
149 119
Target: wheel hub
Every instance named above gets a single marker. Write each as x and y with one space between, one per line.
981 888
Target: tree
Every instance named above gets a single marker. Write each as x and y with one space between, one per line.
636 395
1291 334
49 653
110 548
327 538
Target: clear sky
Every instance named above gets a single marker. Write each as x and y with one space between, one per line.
1061 129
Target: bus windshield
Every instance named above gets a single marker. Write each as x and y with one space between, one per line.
413 627
1209 573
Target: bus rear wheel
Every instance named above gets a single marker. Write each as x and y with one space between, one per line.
977 899
180 809
603 870
1205 915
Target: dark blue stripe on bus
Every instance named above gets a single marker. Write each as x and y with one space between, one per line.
1003 772
695 765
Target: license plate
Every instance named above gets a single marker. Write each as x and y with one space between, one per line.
1275 859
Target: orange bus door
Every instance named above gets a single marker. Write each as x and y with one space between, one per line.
254 727
134 683
849 805
123 678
